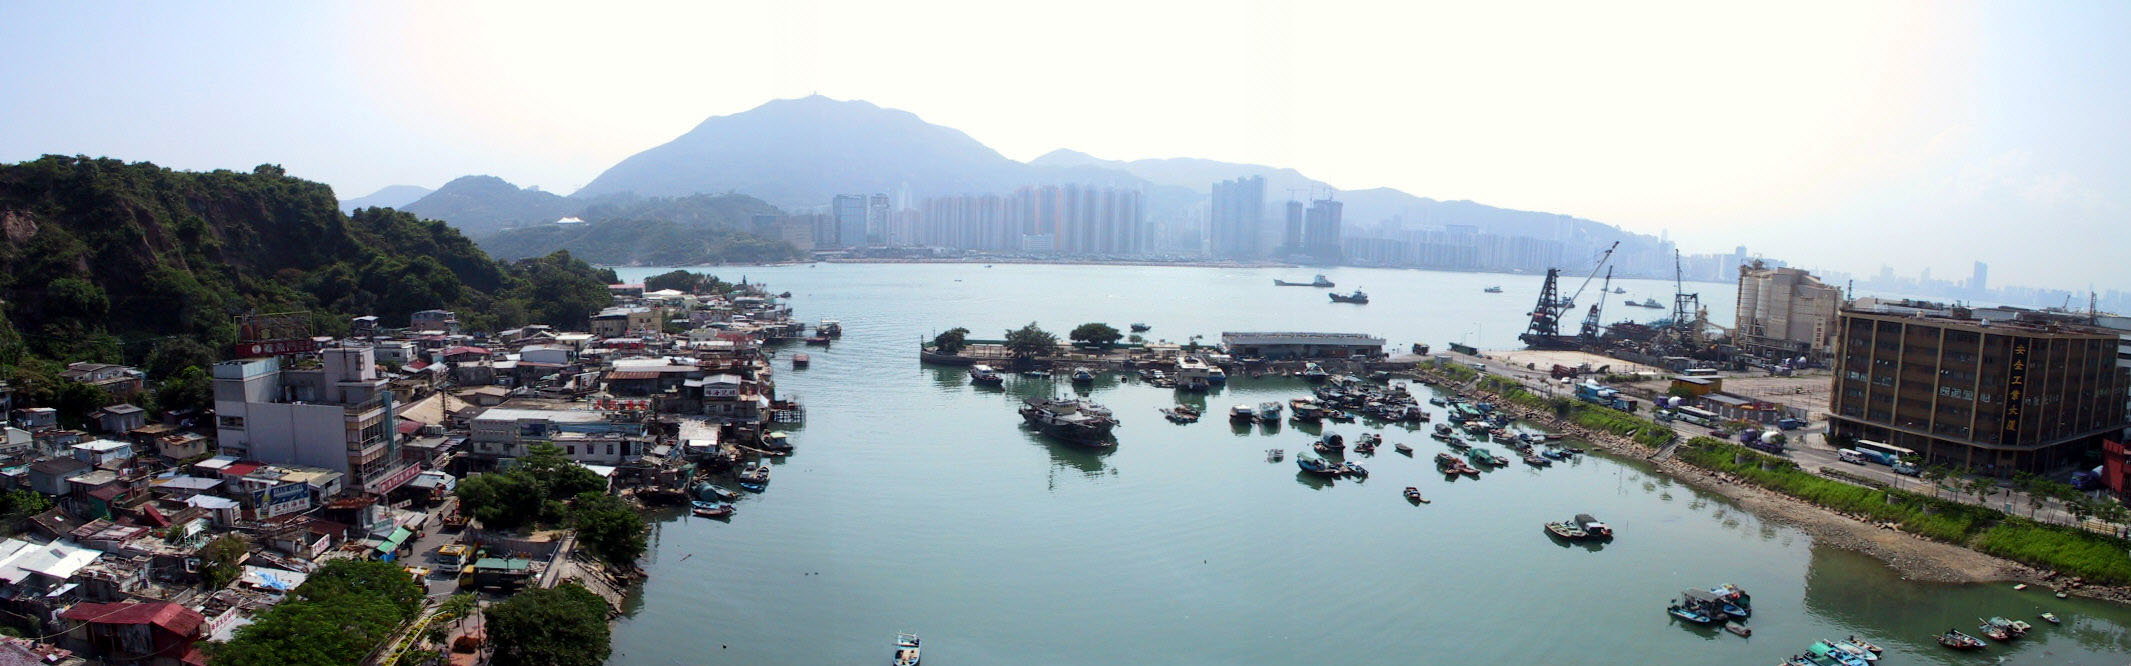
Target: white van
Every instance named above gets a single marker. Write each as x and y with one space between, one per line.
1852 456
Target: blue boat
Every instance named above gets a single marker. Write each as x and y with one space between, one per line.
1689 615
709 491
1316 465
753 487
1554 453
1823 652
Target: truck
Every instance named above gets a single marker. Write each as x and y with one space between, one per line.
1790 423
1593 393
1771 441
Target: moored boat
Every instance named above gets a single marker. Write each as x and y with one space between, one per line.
1242 413
1077 421
1741 630
1191 374
802 360
1482 456
1859 642
1314 372
2050 618
1565 530
1401 447
1315 465
1689 614
1853 650
1268 412
1822 651
906 649
1414 495
711 509
1083 375
1960 641
1599 530
985 375
1492 290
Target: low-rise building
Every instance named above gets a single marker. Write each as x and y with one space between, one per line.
157 633
585 436
120 418
1282 345
335 413
118 380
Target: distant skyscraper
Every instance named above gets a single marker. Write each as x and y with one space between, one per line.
1978 282
1320 230
1292 240
1238 219
878 210
849 211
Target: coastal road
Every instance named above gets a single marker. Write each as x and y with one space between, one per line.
1810 450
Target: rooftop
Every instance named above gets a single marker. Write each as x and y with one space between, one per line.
1298 338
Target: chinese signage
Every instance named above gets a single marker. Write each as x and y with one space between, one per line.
276 348
2015 390
274 334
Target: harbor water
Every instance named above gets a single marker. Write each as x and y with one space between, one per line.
918 502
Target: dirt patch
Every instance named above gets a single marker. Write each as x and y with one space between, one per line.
18 226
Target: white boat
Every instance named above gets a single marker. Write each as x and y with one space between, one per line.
1493 290
906 644
984 374
1241 413
1191 374
1313 372
1268 412
1083 375
1215 375
830 327
1077 421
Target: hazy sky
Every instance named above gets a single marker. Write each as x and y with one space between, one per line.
1844 135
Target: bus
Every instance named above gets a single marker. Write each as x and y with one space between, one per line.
1885 454
1697 416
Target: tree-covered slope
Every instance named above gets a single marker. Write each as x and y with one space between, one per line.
103 260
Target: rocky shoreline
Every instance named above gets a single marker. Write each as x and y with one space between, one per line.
1912 557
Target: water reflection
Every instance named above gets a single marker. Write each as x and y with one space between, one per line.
1314 481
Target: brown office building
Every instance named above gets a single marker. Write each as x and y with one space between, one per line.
1992 396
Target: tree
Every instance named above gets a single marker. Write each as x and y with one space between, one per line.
458 607
682 281
1030 342
19 506
952 341
188 389
1937 474
222 559
561 626
2024 483
609 527
1095 333
532 492
345 610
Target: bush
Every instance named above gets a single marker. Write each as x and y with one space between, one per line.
1927 516
2085 554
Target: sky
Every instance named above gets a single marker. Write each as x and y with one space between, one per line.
1843 135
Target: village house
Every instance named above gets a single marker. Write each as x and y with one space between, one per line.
117 380
119 418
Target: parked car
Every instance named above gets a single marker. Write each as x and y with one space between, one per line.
1790 424
1906 469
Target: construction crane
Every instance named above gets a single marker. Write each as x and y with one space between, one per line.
1686 307
1590 321
1544 331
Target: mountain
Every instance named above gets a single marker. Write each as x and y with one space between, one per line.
482 205
625 229
112 262
1361 207
393 196
800 153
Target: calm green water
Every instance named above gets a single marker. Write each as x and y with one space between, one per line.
917 503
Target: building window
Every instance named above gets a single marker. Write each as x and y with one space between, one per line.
610 449
570 449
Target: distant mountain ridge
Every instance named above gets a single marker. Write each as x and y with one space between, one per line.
392 196
798 154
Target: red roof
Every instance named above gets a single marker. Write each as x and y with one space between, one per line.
150 515
409 426
170 617
624 375
241 469
417 365
462 349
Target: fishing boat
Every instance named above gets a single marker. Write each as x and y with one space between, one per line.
1036 373
818 340
1826 653
1414 495
802 360
711 509
1215 375
985 375
1319 282
2050 618
1689 614
1536 461
1356 298
1274 455
1140 328
1083 375
708 491
1242 413
906 646
1179 414
1314 372
1456 444
1493 290
1482 456
1442 428
1353 469
1999 634
1401 447
1960 641
1741 630
1315 465
1565 530
2010 627
2020 626
1646 303
1599 530
1268 412
830 327
1330 443
1859 642
1368 442
1077 421
1436 401
755 478
1554 453
1852 649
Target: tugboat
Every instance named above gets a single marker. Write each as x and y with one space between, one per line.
906 645
1319 282
1356 298
984 375
1077 421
